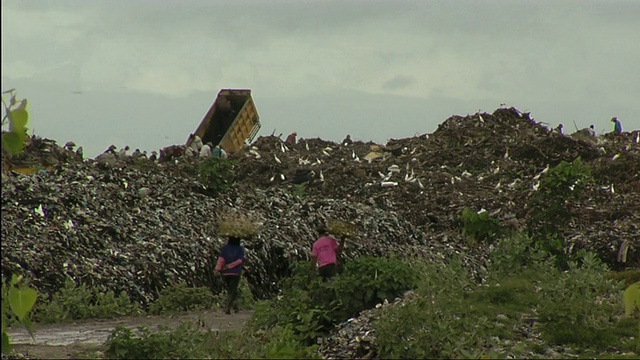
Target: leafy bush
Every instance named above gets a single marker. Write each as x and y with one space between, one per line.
76 302
313 307
181 297
480 226
216 173
569 312
559 188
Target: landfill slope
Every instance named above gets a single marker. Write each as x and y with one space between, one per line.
135 225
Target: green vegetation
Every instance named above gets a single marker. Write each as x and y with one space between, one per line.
180 297
17 301
560 188
76 302
216 174
16 117
480 226
524 293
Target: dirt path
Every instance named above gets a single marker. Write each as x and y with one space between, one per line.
72 340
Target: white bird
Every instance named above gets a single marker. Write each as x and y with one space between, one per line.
613 191
272 178
254 153
282 147
536 186
382 176
318 162
498 185
306 145
420 184
328 148
302 161
282 177
480 178
513 183
615 156
506 154
321 176
466 173
545 170
637 138
482 210
413 151
277 160
453 181
393 168
497 170
481 119
325 153
571 187
39 210
353 154
357 159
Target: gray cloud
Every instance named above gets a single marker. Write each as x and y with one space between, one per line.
321 67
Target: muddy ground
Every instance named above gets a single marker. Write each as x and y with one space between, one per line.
86 339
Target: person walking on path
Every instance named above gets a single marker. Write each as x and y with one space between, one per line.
324 254
230 266
617 126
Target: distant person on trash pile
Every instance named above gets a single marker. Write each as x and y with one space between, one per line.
219 152
559 129
291 139
347 140
230 266
592 130
617 126
324 254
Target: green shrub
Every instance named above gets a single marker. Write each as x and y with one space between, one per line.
190 342
313 307
628 277
76 302
18 300
561 186
181 297
480 226
216 173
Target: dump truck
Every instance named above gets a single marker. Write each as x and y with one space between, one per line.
231 121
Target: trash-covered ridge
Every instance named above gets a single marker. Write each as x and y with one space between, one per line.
138 225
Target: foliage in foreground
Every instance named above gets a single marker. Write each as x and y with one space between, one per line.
524 294
190 341
216 174
17 301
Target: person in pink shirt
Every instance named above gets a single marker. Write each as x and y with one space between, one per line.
324 254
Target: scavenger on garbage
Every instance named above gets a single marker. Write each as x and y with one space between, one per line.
617 126
219 152
291 139
324 254
230 266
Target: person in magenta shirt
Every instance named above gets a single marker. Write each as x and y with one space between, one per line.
230 266
324 254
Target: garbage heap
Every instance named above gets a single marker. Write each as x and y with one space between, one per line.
137 225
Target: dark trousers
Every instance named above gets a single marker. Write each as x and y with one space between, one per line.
328 271
231 283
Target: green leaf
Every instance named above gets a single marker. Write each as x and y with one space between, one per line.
19 118
22 301
13 142
631 298
6 343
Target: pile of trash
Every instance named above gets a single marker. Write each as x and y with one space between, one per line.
140 224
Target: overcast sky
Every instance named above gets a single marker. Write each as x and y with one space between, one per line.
144 73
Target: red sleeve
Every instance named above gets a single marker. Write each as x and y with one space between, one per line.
220 263
335 244
314 250
234 264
